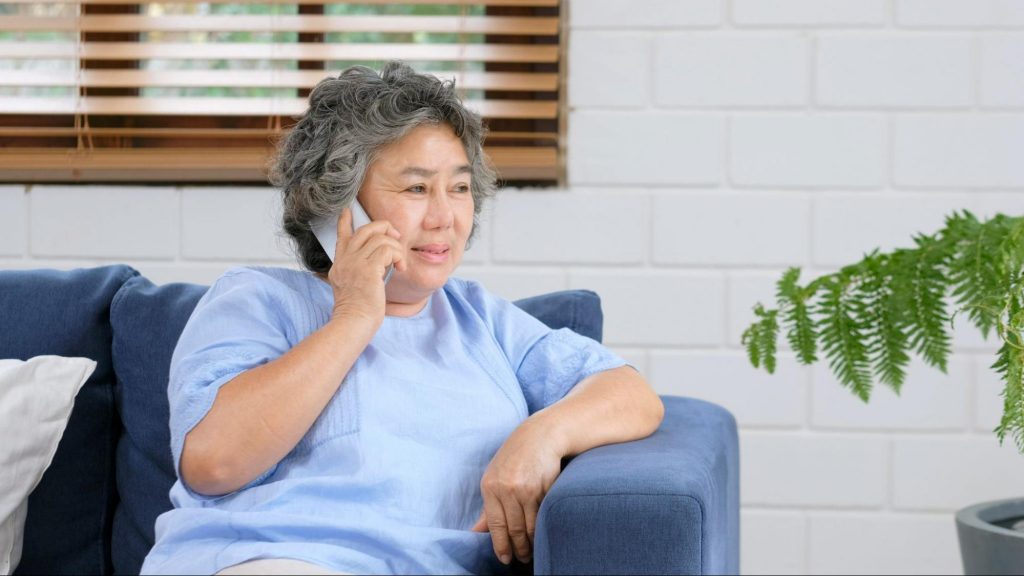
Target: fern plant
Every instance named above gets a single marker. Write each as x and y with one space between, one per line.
867 318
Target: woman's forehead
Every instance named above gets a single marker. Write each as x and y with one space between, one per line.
424 156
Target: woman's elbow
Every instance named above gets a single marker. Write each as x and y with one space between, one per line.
203 475
657 412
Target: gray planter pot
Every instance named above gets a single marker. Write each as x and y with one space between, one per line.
988 543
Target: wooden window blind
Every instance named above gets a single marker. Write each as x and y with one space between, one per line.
188 91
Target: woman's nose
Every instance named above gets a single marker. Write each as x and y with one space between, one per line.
439 212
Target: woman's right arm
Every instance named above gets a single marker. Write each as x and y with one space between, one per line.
261 414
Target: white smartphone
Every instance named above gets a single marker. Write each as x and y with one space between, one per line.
326 231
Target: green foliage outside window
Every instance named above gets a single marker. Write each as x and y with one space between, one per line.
227 9
868 317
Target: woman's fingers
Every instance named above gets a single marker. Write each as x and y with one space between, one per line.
375 228
498 527
530 509
511 524
481 524
387 254
515 518
345 224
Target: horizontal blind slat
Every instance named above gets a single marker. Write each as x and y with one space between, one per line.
498 25
208 164
263 51
216 106
37 131
253 78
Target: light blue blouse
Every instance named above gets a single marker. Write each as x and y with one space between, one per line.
387 480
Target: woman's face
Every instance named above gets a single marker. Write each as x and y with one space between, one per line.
422 185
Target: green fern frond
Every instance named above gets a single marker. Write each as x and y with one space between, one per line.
761 337
800 332
767 337
842 337
884 321
1010 365
974 269
926 327
869 316
749 343
1012 247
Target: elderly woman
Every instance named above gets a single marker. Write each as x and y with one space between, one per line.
327 421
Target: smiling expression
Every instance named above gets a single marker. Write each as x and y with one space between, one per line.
422 185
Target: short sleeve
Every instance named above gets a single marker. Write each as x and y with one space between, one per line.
558 361
548 363
240 323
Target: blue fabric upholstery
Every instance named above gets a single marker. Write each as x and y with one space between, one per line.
66 313
147 321
665 504
579 310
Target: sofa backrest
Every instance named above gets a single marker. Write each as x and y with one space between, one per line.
147 321
67 313
95 509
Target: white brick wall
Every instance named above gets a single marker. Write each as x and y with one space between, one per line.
12 220
798 150
525 223
772 542
799 469
251 214
711 145
757 399
645 148
702 229
596 54
958 151
959 13
1002 70
817 13
859 543
104 221
947 472
735 70
891 70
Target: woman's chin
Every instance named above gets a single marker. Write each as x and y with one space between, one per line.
422 283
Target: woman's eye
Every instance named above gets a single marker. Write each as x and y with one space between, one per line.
462 188
418 189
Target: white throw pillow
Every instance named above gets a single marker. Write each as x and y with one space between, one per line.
36 398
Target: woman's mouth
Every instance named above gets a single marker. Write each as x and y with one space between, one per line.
433 255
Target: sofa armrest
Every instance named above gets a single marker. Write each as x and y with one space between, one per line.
666 504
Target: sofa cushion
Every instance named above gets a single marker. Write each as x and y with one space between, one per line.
66 313
578 310
36 398
147 321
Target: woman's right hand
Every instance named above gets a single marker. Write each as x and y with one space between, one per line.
360 261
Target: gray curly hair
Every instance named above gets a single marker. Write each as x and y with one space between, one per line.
322 162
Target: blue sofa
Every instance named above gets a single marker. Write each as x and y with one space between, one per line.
667 504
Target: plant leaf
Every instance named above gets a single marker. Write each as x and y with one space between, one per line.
843 339
926 327
800 331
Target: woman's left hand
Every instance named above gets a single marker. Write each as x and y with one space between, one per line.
513 486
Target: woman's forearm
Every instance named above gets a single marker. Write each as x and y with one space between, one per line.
612 406
260 415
